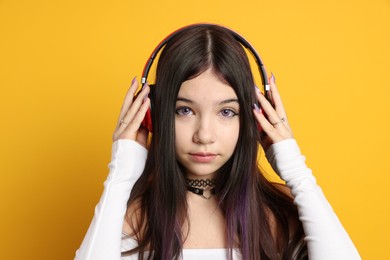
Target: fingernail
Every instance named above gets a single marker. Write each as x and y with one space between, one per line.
257 89
134 79
273 77
256 107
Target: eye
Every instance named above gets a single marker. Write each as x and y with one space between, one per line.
183 111
226 112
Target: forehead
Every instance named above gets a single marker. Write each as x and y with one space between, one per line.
206 86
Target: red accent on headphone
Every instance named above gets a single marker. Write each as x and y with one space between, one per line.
147 122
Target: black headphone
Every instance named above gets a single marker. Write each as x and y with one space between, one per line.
147 122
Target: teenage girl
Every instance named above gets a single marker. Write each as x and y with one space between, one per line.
194 190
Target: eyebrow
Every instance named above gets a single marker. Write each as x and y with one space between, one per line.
231 100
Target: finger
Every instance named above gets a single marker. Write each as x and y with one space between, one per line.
130 130
268 109
279 107
128 99
135 107
275 133
140 115
273 120
267 127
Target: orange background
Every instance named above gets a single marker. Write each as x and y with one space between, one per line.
65 67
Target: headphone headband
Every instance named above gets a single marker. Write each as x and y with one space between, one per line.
147 122
238 37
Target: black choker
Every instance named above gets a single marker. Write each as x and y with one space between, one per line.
195 187
200 182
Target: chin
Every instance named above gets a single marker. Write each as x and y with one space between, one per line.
201 173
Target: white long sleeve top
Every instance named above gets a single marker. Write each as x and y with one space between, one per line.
325 236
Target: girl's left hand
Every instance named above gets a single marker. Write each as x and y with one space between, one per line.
272 120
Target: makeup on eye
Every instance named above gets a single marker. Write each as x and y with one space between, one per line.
226 108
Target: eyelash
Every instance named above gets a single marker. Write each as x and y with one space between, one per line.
180 111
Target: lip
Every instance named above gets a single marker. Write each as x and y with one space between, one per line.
202 157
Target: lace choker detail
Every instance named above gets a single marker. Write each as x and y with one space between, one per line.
200 182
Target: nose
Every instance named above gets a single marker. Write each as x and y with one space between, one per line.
205 131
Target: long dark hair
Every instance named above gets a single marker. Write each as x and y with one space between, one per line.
253 207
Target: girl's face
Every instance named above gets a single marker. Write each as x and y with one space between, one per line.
207 125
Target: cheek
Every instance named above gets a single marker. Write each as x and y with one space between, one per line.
234 135
180 134
230 137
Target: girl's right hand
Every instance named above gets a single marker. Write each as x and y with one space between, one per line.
132 113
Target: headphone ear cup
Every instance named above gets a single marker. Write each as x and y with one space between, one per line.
147 122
